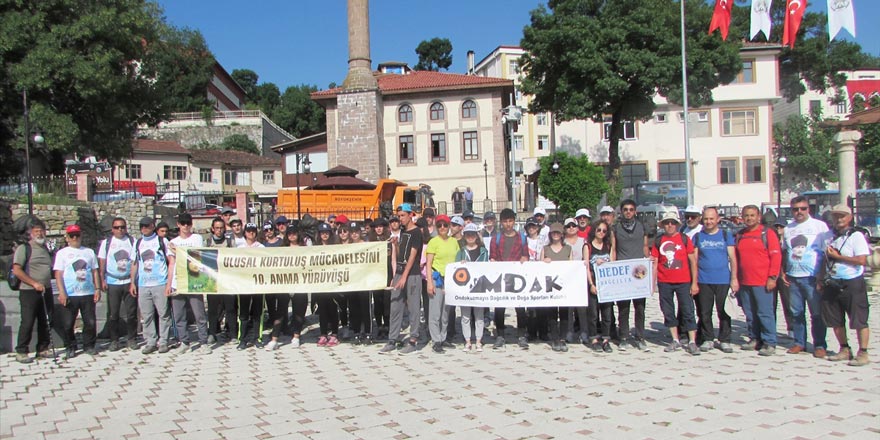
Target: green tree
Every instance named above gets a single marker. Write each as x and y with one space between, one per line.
589 59
182 67
247 79
434 54
298 114
268 96
576 184
239 142
808 148
869 155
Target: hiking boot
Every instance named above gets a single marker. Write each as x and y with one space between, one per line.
388 348
150 349
706 346
131 344
725 347
606 347
820 353
438 348
845 354
692 349
23 358
673 346
523 342
499 342
114 346
163 349
752 344
563 347
767 350
408 348
860 360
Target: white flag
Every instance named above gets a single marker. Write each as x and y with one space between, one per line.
841 16
761 18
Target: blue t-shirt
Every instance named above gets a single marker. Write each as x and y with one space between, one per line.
152 262
76 266
713 263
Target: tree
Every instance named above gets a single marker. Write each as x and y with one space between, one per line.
434 54
869 155
268 96
298 114
239 142
247 79
576 184
589 59
808 148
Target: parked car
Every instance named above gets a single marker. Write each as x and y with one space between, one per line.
74 167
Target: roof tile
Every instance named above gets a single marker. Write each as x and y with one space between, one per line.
230 157
154 146
421 80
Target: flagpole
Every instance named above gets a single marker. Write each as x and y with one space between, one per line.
687 139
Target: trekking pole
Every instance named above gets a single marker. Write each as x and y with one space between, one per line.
49 323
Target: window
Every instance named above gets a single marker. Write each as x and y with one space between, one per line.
727 171
543 142
541 118
660 118
518 142
133 171
841 107
404 113
629 130
438 148
815 107
696 116
205 175
698 123
755 170
437 112
468 110
237 177
747 75
632 174
738 122
407 152
672 171
173 172
513 67
471 146
268 177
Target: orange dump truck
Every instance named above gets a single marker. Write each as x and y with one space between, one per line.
356 204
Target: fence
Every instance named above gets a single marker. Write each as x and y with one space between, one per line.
47 184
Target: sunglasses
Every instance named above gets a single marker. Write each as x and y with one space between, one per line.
801 208
146 226
691 216
601 230
629 209
74 235
442 225
118 227
185 223
571 225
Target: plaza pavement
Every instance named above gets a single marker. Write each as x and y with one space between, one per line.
353 392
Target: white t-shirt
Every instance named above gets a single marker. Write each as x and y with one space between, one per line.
256 244
692 232
76 266
118 258
804 244
152 263
194 240
853 246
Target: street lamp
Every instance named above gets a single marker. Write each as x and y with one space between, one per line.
388 170
301 159
512 115
555 167
780 162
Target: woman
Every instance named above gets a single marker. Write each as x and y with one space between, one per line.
557 250
441 251
250 307
270 236
343 232
534 242
300 300
598 251
382 298
473 250
359 302
576 242
276 303
328 314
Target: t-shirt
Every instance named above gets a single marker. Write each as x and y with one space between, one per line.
564 254
713 265
278 243
577 248
118 259
152 264
691 232
76 266
756 262
805 246
40 266
408 241
504 248
194 240
629 245
444 252
585 233
853 246
256 244
544 234
673 266
535 245
598 255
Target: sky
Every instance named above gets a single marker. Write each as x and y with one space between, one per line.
293 42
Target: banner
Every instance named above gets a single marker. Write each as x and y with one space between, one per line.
841 16
515 284
626 279
761 18
721 17
794 13
301 269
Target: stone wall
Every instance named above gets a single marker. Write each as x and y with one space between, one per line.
359 142
189 137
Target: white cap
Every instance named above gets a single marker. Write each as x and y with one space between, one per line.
606 209
583 212
457 220
569 221
540 211
670 215
471 227
693 209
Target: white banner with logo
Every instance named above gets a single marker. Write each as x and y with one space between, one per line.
627 279
515 284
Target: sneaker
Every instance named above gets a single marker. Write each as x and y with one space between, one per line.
447 344
845 354
693 349
131 344
332 341
357 340
272 345
70 352
751 344
767 350
622 345
706 346
641 344
243 345
563 347
295 342
114 346
368 339
149 349
438 348
183 349
479 347
596 346
388 348
554 345
499 342
206 348
860 360
212 339
408 348
820 353
163 349
23 358
797 349
322 341
92 351
673 346
569 337
523 342
725 347
606 347
45 354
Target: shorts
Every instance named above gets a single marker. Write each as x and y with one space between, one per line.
849 299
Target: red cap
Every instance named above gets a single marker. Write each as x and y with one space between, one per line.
73 229
341 219
442 218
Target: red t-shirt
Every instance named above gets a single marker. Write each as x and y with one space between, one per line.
585 234
756 263
673 266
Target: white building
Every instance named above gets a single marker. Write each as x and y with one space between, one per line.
862 89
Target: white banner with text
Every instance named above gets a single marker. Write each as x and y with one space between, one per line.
515 284
622 280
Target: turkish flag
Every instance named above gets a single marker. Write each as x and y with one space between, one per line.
794 12
721 17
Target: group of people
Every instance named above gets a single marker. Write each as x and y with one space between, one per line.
697 265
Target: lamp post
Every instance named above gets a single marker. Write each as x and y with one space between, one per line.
388 170
301 159
512 117
38 138
780 162
486 176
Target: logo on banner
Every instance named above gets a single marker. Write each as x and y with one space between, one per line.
506 283
760 6
837 5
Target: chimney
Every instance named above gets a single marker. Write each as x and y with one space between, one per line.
470 62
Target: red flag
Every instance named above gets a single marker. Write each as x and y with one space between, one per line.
794 12
721 17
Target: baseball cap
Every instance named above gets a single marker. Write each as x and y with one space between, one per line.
380 222
540 211
331 217
324 227
670 215
841 208
488 215
227 210
606 210
467 214
428 212
341 219
442 218
234 220
268 226
250 226
556 227
354 225
457 220
281 220
531 221
394 219
147 221
570 220
73 229
405 207
583 212
471 228
184 218
693 209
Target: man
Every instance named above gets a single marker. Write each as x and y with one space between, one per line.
583 218
32 264
693 221
468 217
394 227
281 224
237 232
457 201
226 214
162 230
540 215
457 224
76 272
509 245
716 262
606 214
758 259
221 304
803 255
429 215
675 275
468 199
488 224
632 243
406 285
842 282
179 302
152 285
114 267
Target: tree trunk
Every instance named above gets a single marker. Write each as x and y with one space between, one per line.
614 148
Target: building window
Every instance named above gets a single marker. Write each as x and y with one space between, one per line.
513 67
205 175
471 146
543 142
404 113
738 122
815 107
438 148
660 118
174 172
468 110
438 113
696 116
628 127
632 174
755 170
727 171
841 107
518 142
268 177
236 177
133 171
747 75
672 171
407 152
541 118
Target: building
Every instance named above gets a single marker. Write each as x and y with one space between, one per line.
862 91
224 92
731 140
